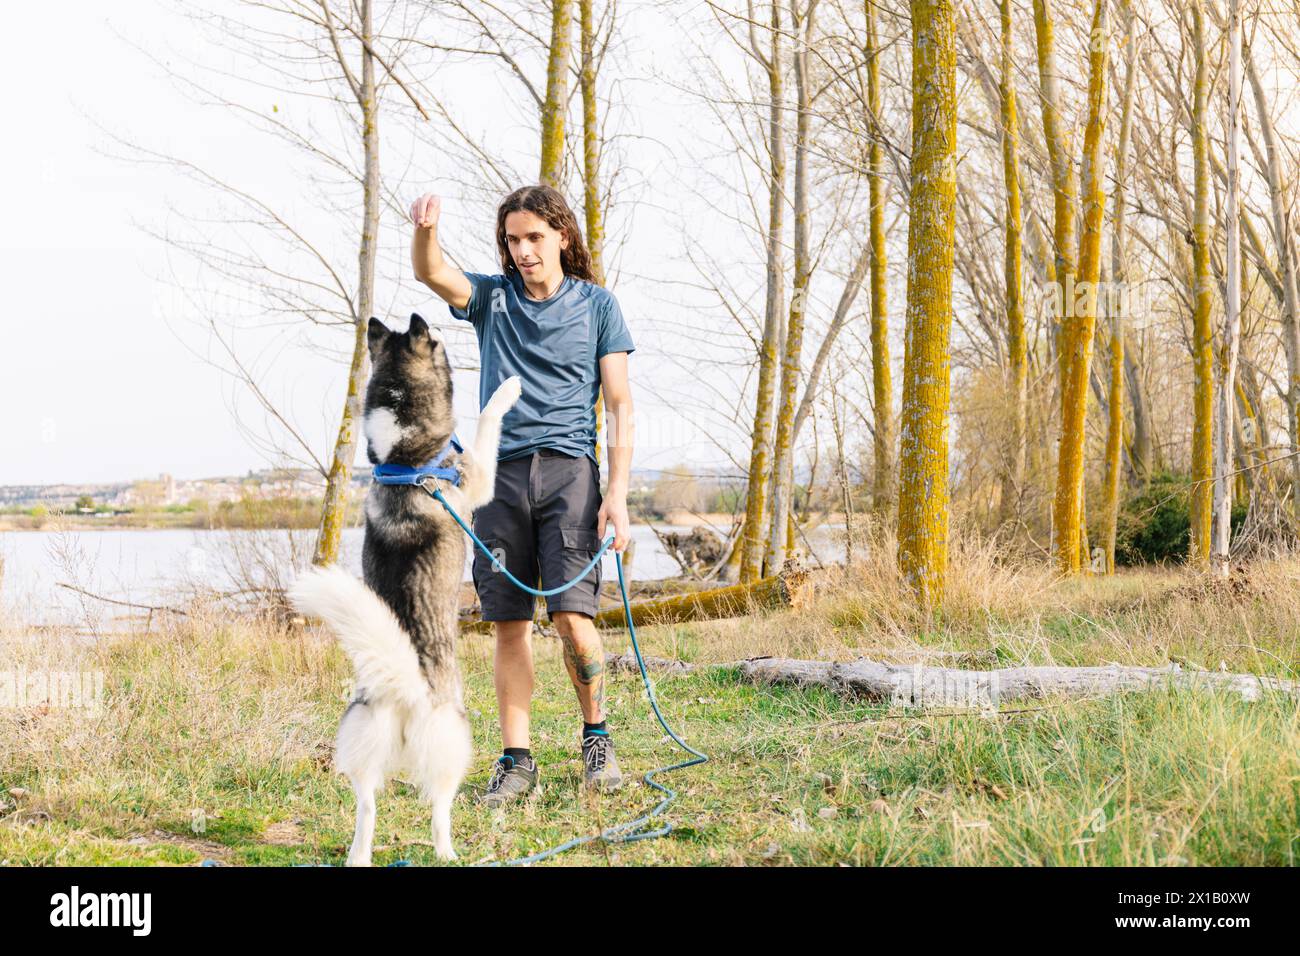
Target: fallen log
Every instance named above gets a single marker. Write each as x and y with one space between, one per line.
627 662
920 686
917 685
792 587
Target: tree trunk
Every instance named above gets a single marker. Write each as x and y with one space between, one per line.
1079 318
557 90
1227 390
848 294
335 503
1142 450
1114 438
591 145
752 536
591 170
1202 301
1063 185
1282 238
1256 434
1117 305
1018 360
791 362
923 459
882 389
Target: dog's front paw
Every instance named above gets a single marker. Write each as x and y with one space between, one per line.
506 395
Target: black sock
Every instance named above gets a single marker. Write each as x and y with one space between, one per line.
520 755
589 729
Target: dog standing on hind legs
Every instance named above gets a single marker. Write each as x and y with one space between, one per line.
407 718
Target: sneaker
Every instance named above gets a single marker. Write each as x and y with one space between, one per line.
599 765
510 781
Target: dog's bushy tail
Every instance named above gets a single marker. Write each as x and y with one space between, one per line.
382 654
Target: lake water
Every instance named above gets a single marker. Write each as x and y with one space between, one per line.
150 566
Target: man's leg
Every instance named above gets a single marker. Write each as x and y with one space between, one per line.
513 671
566 544
505 526
515 773
584 658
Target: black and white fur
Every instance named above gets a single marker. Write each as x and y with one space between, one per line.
408 717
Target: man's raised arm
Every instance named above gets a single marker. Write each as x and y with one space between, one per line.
426 255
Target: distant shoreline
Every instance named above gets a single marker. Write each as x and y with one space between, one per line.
720 522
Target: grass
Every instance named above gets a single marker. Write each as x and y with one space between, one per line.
212 740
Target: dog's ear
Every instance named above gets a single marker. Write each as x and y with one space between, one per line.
418 334
376 332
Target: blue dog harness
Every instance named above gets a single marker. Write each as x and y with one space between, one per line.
411 475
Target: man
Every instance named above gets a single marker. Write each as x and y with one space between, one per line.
544 319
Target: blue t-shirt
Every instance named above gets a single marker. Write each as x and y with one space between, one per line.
555 347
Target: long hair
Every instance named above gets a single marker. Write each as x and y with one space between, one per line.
548 204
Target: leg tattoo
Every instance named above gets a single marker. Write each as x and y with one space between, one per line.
586 669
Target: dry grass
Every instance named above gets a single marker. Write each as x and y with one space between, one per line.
1014 613
212 735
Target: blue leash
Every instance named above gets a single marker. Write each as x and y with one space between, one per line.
633 830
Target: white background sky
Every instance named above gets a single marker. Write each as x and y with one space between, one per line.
104 377
101 377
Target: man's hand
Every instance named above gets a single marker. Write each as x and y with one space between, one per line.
426 210
614 508
426 255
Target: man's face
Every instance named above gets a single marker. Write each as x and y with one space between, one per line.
534 246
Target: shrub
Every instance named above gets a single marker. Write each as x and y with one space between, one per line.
1155 525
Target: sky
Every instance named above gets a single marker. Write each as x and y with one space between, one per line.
109 369
111 372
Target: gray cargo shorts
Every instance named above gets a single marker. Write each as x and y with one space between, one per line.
541 525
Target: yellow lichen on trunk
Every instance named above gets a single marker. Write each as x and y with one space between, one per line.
334 505
591 145
923 459
1117 305
557 88
1202 291
1063 268
1079 313
594 214
882 388
753 539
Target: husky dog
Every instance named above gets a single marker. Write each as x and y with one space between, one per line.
407 718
